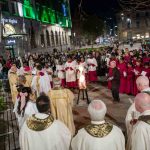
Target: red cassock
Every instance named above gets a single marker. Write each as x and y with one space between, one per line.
138 69
110 74
146 60
123 74
127 58
130 77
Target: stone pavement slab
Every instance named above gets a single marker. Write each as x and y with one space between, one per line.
115 112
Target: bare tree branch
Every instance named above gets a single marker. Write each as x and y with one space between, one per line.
133 5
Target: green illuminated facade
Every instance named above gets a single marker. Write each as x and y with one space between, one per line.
45 23
53 12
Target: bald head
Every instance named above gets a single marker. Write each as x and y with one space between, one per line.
97 110
142 83
142 102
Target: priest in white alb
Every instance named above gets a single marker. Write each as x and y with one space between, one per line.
42 132
140 137
142 83
41 82
99 135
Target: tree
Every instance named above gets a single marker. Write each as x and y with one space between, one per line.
92 27
133 5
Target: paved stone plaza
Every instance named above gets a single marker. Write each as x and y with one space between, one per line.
115 112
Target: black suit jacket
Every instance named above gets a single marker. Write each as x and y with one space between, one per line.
116 79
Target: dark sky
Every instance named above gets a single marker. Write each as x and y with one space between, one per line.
102 8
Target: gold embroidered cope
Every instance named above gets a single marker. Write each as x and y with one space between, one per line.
145 119
99 130
37 124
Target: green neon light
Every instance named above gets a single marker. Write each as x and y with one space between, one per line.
45 17
28 10
46 14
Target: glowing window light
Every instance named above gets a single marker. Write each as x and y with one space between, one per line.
20 10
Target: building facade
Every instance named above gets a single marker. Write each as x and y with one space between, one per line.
134 26
35 25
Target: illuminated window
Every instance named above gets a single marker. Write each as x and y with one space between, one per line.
20 10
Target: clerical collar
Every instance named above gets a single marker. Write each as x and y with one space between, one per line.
98 122
147 89
145 113
58 88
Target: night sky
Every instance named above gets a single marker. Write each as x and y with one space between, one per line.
102 8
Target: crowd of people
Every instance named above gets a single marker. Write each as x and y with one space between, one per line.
41 88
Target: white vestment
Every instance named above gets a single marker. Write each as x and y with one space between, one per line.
60 71
84 66
70 71
140 137
56 137
47 70
90 62
29 111
43 82
132 114
113 141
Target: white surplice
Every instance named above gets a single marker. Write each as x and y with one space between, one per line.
113 141
91 61
60 71
43 82
132 114
70 71
140 137
56 137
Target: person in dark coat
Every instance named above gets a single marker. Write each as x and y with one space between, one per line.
115 81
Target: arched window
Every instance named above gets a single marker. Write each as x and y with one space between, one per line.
42 40
52 38
60 38
56 36
66 41
47 38
63 41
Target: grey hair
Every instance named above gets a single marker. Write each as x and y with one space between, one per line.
142 80
97 114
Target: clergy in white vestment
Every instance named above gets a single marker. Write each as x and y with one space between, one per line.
41 82
60 68
140 137
70 68
132 115
49 71
92 64
24 107
99 135
42 132
81 64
